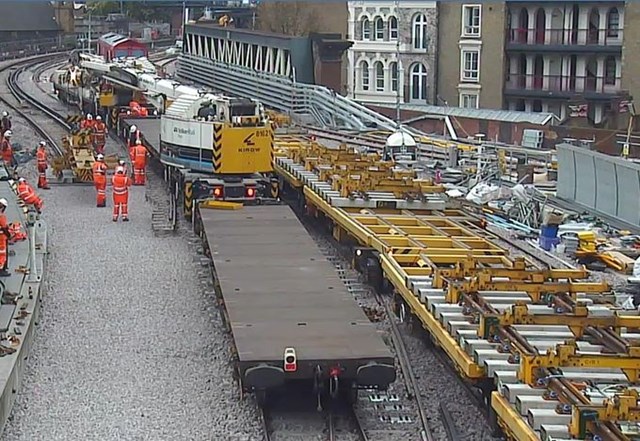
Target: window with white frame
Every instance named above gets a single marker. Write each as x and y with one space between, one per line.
393 68
470 65
366 29
419 82
420 32
364 75
379 70
393 28
469 100
378 28
471 20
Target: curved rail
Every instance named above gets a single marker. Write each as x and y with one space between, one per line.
21 96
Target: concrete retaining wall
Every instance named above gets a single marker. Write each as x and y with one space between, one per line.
603 183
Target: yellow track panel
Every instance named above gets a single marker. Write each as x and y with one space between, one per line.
533 333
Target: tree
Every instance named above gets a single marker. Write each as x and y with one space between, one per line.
294 18
140 11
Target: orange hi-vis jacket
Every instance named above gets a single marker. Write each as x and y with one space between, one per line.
139 156
41 156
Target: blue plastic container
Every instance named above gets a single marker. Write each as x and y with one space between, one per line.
549 231
546 243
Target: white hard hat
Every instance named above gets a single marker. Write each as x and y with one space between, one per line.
5 113
100 157
43 142
22 180
8 133
121 162
99 118
4 202
89 116
133 129
138 142
119 170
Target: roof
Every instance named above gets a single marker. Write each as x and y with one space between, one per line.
33 16
113 39
512 116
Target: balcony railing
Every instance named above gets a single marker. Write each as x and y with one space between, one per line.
577 37
563 83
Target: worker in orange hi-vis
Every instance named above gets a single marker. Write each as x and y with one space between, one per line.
88 122
121 184
28 195
6 151
41 157
139 163
99 135
99 169
5 234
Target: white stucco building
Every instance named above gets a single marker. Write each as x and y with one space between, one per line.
380 31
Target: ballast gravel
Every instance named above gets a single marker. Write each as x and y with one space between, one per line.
128 347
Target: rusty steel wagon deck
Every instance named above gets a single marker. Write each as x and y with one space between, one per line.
281 292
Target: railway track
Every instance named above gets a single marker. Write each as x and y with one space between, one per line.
36 114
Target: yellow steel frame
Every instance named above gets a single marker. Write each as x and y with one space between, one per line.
566 355
445 245
577 320
622 407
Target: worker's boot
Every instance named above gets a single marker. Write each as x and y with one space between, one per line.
4 272
125 219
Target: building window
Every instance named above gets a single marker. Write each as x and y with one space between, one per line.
471 20
393 28
419 82
393 67
610 70
379 68
420 32
469 100
613 23
470 65
364 75
378 27
366 29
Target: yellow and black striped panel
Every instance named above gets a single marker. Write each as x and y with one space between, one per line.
84 137
113 117
217 147
271 146
83 175
188 198
74 119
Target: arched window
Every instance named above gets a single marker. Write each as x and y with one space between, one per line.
379 69
366 29
364 75
420 32
613 23
378 26
419 82
393 68
393 28
610 70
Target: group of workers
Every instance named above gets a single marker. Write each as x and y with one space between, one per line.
98 132
120 181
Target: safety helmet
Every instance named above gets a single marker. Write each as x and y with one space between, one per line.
5 113
100 157
8 134
4 202
121 162
98 118
89 116
22 180
119 170
133 129
43 143
138 142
